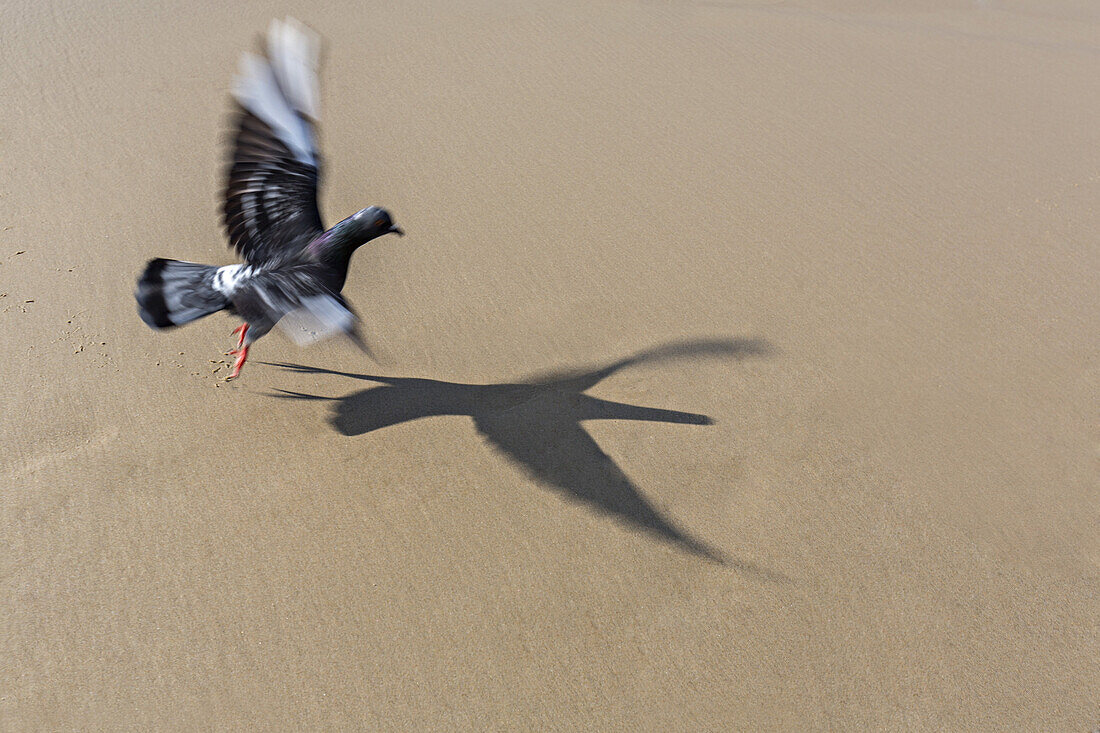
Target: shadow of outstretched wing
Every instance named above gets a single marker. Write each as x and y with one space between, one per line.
579 380
551 445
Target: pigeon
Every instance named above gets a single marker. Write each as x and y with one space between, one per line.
293 269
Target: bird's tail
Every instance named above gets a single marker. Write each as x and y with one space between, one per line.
171 293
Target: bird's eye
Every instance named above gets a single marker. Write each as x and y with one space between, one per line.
379 222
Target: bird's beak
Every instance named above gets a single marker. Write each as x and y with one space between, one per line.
397 231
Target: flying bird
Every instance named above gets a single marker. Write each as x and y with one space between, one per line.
294 269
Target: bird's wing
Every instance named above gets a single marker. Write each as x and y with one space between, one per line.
270 209
298 302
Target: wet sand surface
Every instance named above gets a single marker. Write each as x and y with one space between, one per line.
739 371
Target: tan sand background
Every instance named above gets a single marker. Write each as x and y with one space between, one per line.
900 198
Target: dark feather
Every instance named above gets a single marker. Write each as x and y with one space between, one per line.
297 298
270 210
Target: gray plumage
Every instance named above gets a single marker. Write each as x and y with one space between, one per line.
294 269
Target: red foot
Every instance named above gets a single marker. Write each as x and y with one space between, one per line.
242 354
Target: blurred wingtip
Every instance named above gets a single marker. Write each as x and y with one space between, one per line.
356 337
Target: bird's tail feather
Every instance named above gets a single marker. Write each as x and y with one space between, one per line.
171 293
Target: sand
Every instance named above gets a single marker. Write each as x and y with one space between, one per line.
739 371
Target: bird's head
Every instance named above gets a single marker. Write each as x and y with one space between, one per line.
374 222
351 233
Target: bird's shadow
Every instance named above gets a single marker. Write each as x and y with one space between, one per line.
536 423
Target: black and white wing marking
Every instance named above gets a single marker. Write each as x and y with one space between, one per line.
270 205
297 300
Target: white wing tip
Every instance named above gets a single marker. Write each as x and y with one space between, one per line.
294 49
281 87
318 317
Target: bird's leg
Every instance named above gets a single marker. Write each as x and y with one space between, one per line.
241 351
242 330
242 354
